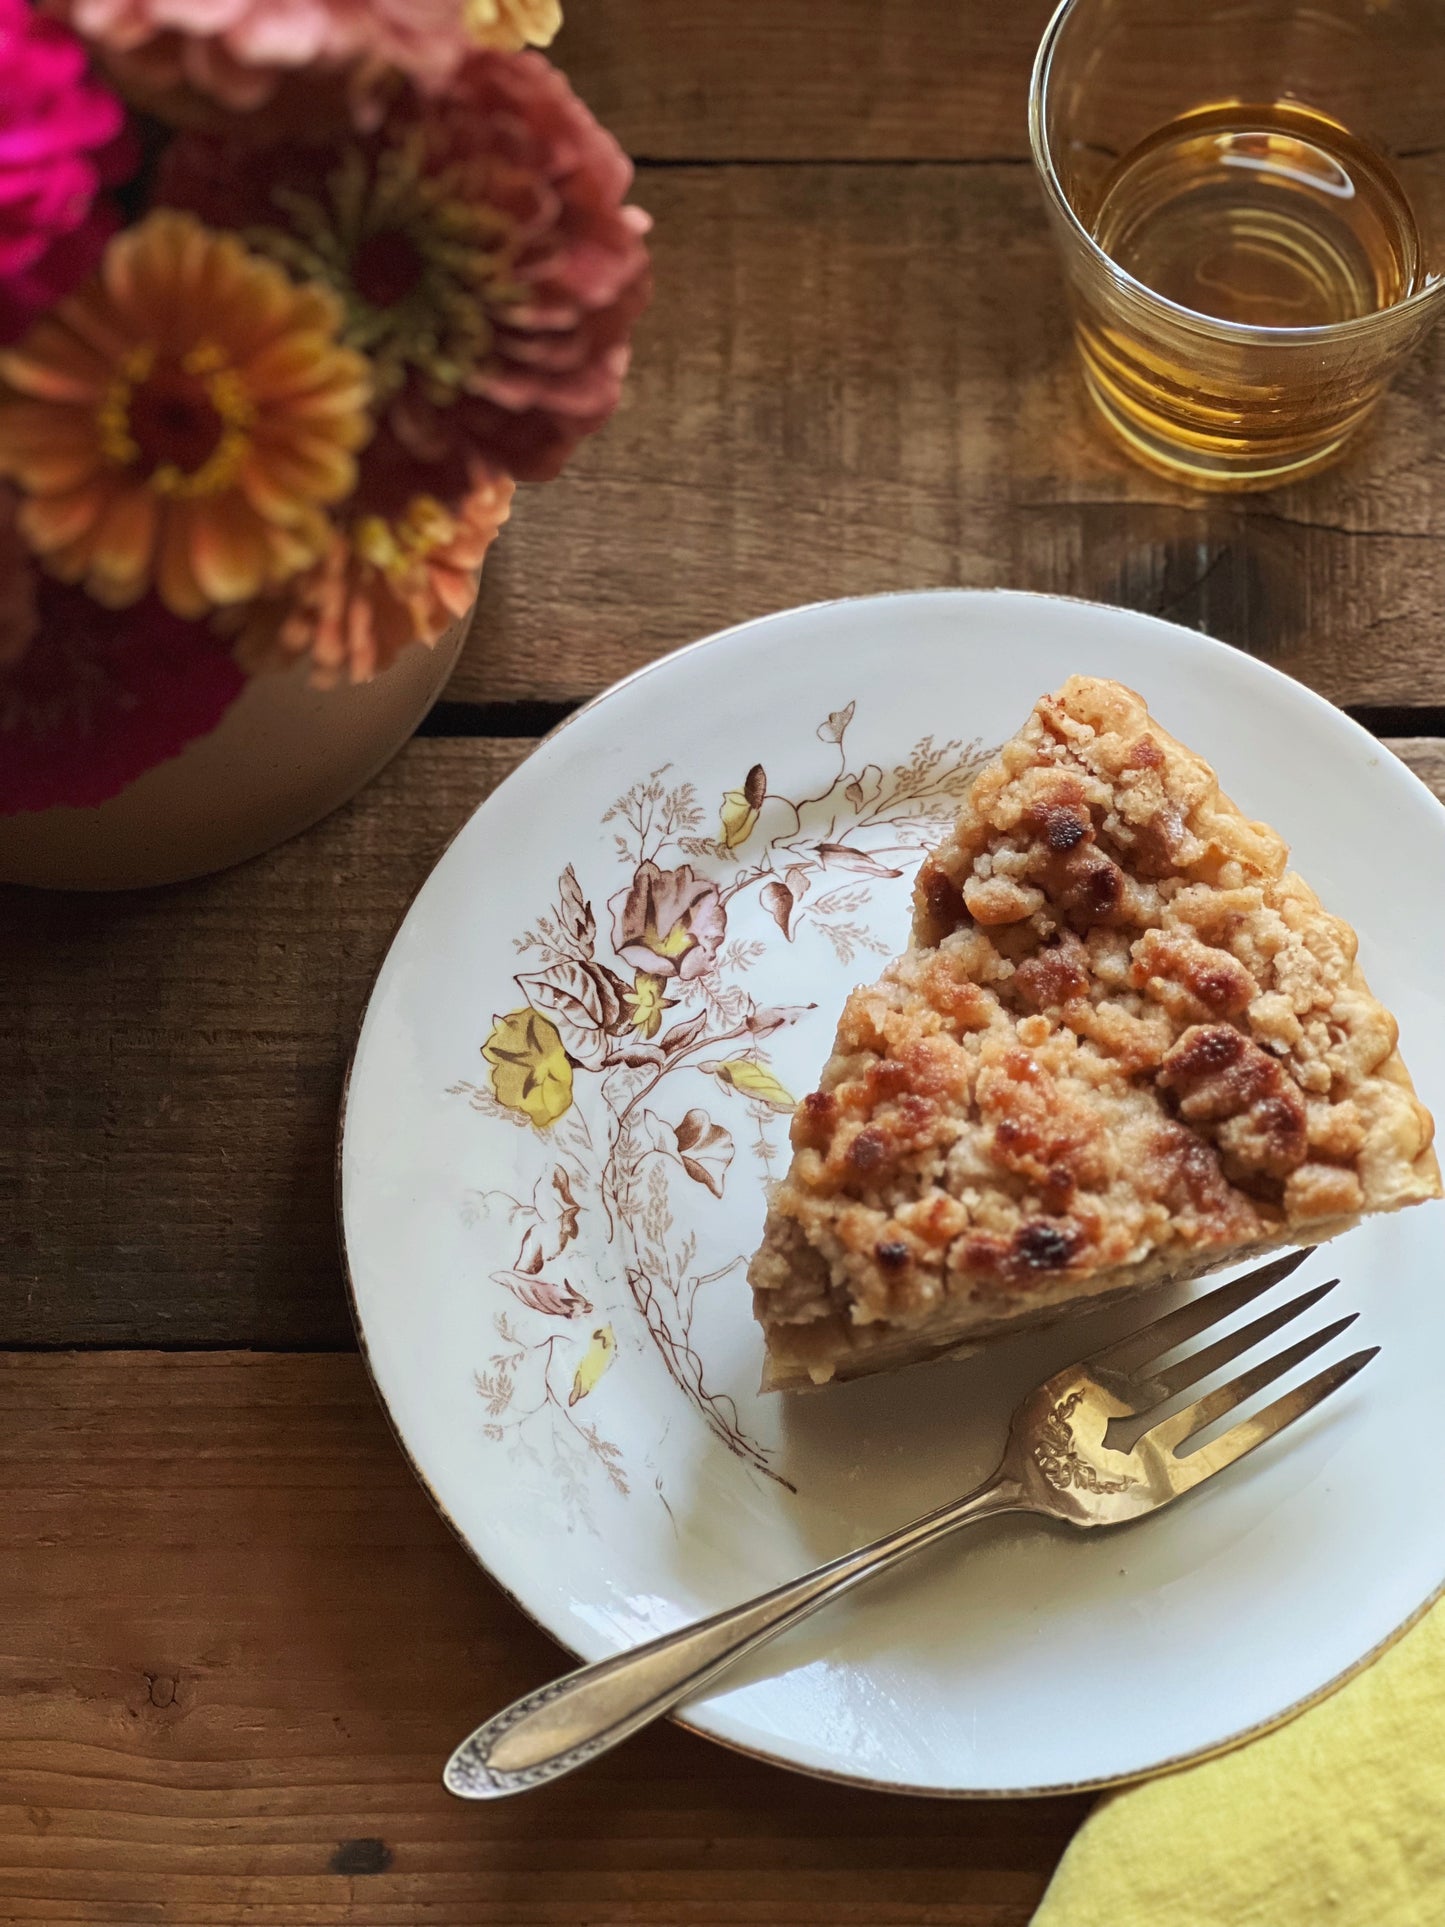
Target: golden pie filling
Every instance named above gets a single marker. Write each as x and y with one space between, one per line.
1126 1045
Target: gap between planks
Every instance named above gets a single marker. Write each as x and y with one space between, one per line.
533 717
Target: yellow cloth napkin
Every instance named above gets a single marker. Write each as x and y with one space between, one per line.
1336 1820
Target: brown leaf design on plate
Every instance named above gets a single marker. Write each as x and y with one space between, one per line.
755 786
529 1258
842 856
705 1148
580 1002
764 1020
833 730
779 902
865 786
682 1034
557 1300
638 1057
576 911
797 880
570 1212
618 985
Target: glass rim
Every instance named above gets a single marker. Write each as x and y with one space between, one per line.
1192 318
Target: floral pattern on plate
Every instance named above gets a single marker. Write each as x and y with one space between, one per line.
636 1051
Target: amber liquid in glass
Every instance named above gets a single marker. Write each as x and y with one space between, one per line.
1275 217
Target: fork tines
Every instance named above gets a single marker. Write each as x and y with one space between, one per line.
1130 1363
1152 1341
1250 1432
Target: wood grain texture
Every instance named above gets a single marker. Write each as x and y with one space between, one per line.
793 79
850 80
170 1068
239 1645
1425 755
171 1062
238 1641
859 379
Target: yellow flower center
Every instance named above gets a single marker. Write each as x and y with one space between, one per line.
393 547
418 255
673 943
184 422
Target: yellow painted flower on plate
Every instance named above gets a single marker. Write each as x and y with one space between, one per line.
646 1003
531 1072
738 818
182 422
740 808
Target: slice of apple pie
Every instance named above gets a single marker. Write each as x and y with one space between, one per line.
1126 1045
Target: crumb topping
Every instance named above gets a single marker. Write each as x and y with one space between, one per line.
1125 1029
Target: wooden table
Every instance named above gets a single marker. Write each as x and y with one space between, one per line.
237 1641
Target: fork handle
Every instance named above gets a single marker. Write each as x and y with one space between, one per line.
584 1714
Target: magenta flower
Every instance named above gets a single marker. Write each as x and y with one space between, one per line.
98 696
668 923
60 144
480 248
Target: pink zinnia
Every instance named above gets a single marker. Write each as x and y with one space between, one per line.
577 261
60 143
239 51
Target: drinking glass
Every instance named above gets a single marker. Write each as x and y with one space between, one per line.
1249 199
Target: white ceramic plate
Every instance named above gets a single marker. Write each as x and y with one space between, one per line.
547 1247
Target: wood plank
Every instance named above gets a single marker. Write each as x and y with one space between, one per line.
170 1063
790 79
1425 755
170 1067
860 379
844 79
239 1644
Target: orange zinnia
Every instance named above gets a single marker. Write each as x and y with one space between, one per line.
182 421
383 583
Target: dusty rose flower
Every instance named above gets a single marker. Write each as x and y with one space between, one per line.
480 247
238 52
575 255
195 84
102 695
182 422
668 923
61 143
382 583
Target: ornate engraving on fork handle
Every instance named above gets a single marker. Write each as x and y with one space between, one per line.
1060 1460
469 1774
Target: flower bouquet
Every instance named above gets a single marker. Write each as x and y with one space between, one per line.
292 293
